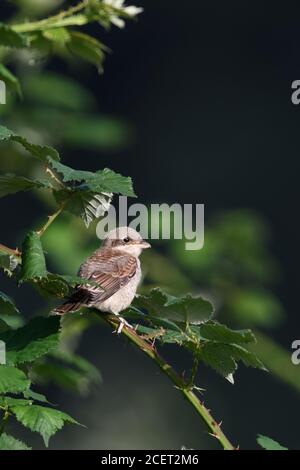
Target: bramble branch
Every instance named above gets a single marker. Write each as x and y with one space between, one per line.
185 388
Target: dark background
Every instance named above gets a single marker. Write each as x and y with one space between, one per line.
206 88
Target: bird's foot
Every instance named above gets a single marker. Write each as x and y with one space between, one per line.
122 323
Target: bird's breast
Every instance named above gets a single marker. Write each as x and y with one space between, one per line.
123 297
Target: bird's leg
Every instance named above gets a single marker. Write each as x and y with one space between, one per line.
122 323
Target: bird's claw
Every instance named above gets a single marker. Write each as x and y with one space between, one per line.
121 325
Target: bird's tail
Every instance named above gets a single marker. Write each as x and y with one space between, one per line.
75 302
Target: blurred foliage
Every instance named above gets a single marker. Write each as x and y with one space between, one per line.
57 110
235 269
60 111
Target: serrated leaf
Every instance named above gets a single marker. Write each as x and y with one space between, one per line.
84 204
247 357
102 181
10 79
215 331
109 181
224 357
10 38
42 152
35 339
219 357
33 259
45 421
269 444
87 48
178 309
7 305
10 184
8 442
12 380
6 401
30 394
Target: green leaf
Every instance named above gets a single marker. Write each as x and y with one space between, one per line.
42 152
10 38
103 181
108 181
33 259
7 402
30 394
219 356
57 35
10 184
12 380
87 48
35 339
8 442
84 204
10 79
178 309
7 305
224 357
214 331
269 444
45 421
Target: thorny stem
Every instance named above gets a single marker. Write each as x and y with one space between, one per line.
51 218
9 251
186 389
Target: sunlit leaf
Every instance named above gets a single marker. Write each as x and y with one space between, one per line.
8 442
179 309
33 259
45 421
37 338
12 380
214 331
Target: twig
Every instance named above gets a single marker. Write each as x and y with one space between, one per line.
51 218
9 251
214 428
64 18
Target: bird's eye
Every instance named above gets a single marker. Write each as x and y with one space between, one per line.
126 239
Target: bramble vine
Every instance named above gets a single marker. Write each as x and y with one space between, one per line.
184 321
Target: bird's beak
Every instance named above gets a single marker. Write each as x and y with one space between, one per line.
144 244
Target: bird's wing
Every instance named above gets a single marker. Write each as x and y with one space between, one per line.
111 269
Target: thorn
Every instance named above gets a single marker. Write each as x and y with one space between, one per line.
220 424
214 435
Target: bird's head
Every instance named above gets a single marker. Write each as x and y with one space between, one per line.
126 239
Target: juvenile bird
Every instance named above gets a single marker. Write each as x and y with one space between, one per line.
116 268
